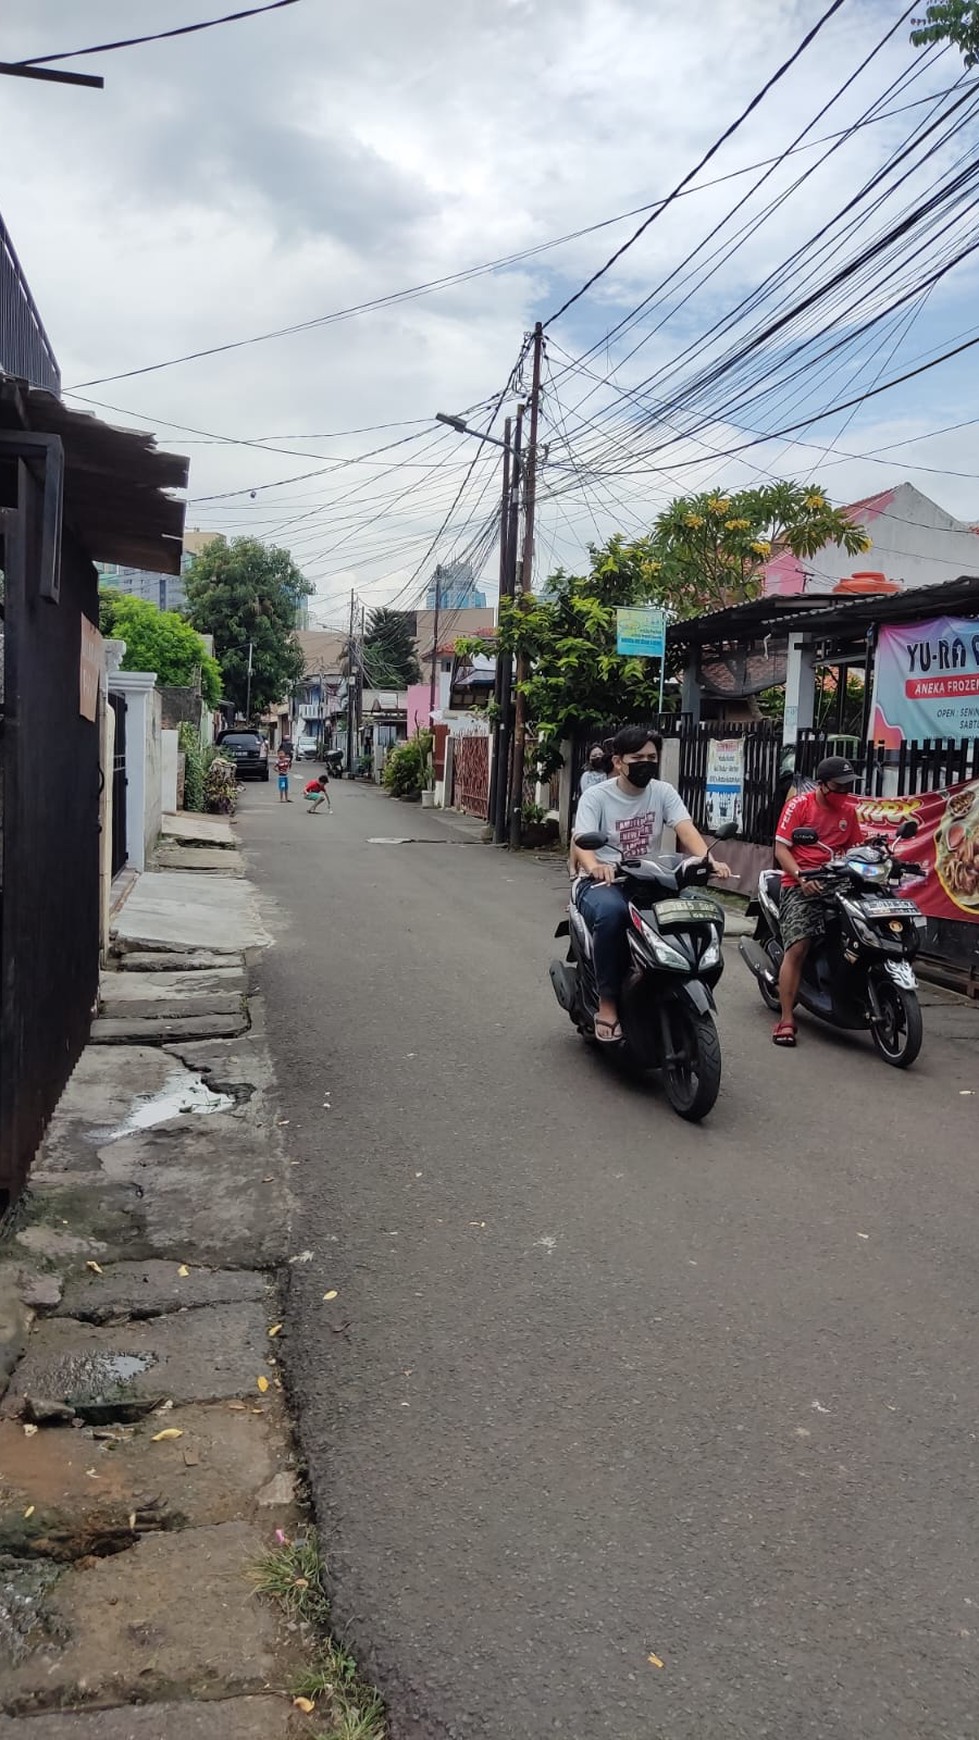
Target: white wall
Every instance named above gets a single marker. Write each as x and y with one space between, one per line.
144 803
107 743
152 773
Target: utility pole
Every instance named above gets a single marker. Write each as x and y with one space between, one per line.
508 580
494 791
526 579
248 689
351 688
360 673
435 643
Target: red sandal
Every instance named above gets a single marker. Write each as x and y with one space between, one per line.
784 1034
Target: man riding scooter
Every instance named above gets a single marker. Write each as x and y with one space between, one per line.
631 810
802 911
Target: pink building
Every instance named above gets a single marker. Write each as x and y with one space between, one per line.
914 543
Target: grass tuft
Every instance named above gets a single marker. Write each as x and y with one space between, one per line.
292 1575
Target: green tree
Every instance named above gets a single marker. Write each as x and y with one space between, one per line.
708 551
955 21
567 634
704 552
160 641
246 593
389 650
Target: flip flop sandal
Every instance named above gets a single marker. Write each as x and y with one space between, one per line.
608 1032
784 1033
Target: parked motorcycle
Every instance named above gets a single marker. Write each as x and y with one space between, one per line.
859 975
666 1007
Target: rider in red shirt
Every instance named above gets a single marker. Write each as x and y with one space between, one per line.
802 912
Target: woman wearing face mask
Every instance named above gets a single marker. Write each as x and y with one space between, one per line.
595 772
631 809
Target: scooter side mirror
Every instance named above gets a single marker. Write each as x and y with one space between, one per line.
805 837
591 842
727 832
908 829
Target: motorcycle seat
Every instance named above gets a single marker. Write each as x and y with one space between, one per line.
772 881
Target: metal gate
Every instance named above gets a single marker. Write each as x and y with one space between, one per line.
470 779
119 783
49 758
762 753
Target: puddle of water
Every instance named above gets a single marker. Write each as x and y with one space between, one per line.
94 1375
182 1092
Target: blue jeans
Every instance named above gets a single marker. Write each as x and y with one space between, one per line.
606 912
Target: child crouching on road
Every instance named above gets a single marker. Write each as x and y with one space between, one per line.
316 793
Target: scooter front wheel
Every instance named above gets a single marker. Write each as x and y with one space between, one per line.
898 1030
692 1074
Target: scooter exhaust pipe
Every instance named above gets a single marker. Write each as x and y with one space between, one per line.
565 982
756 959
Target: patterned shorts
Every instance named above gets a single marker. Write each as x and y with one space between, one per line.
801 916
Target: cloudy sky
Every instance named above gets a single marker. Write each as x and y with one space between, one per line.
285 169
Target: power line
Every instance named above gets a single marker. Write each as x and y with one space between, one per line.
411 292
728 133
924 212
263 443
158 36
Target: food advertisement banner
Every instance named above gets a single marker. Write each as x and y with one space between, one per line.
926 681
946 846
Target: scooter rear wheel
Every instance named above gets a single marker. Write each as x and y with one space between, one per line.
692 1080
899 1031
771 998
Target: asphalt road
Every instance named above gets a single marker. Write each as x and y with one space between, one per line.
601 1391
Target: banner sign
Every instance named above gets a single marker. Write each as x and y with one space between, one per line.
641 634
946 846
89 670
725 781
926 681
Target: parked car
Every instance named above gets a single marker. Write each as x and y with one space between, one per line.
307 749
249 752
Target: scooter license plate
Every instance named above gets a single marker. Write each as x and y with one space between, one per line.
889 908
687 912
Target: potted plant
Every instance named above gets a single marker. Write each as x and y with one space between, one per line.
536 828
402 775
428 776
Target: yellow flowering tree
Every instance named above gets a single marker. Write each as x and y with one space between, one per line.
708 551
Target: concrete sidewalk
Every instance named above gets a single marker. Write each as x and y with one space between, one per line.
184 909
146 1453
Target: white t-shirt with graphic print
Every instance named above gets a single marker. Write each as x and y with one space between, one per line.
634 823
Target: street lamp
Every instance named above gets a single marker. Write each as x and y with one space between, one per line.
461 427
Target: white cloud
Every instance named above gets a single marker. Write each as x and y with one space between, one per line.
267 173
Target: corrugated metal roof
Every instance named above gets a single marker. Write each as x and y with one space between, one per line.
117 481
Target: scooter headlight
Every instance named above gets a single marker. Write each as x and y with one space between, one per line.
663 952
712 952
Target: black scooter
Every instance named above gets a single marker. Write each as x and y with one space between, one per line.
666 1007
859 975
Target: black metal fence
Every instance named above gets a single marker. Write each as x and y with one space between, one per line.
25 349
763 756
931 765
49 761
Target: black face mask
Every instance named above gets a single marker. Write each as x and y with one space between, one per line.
640 773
